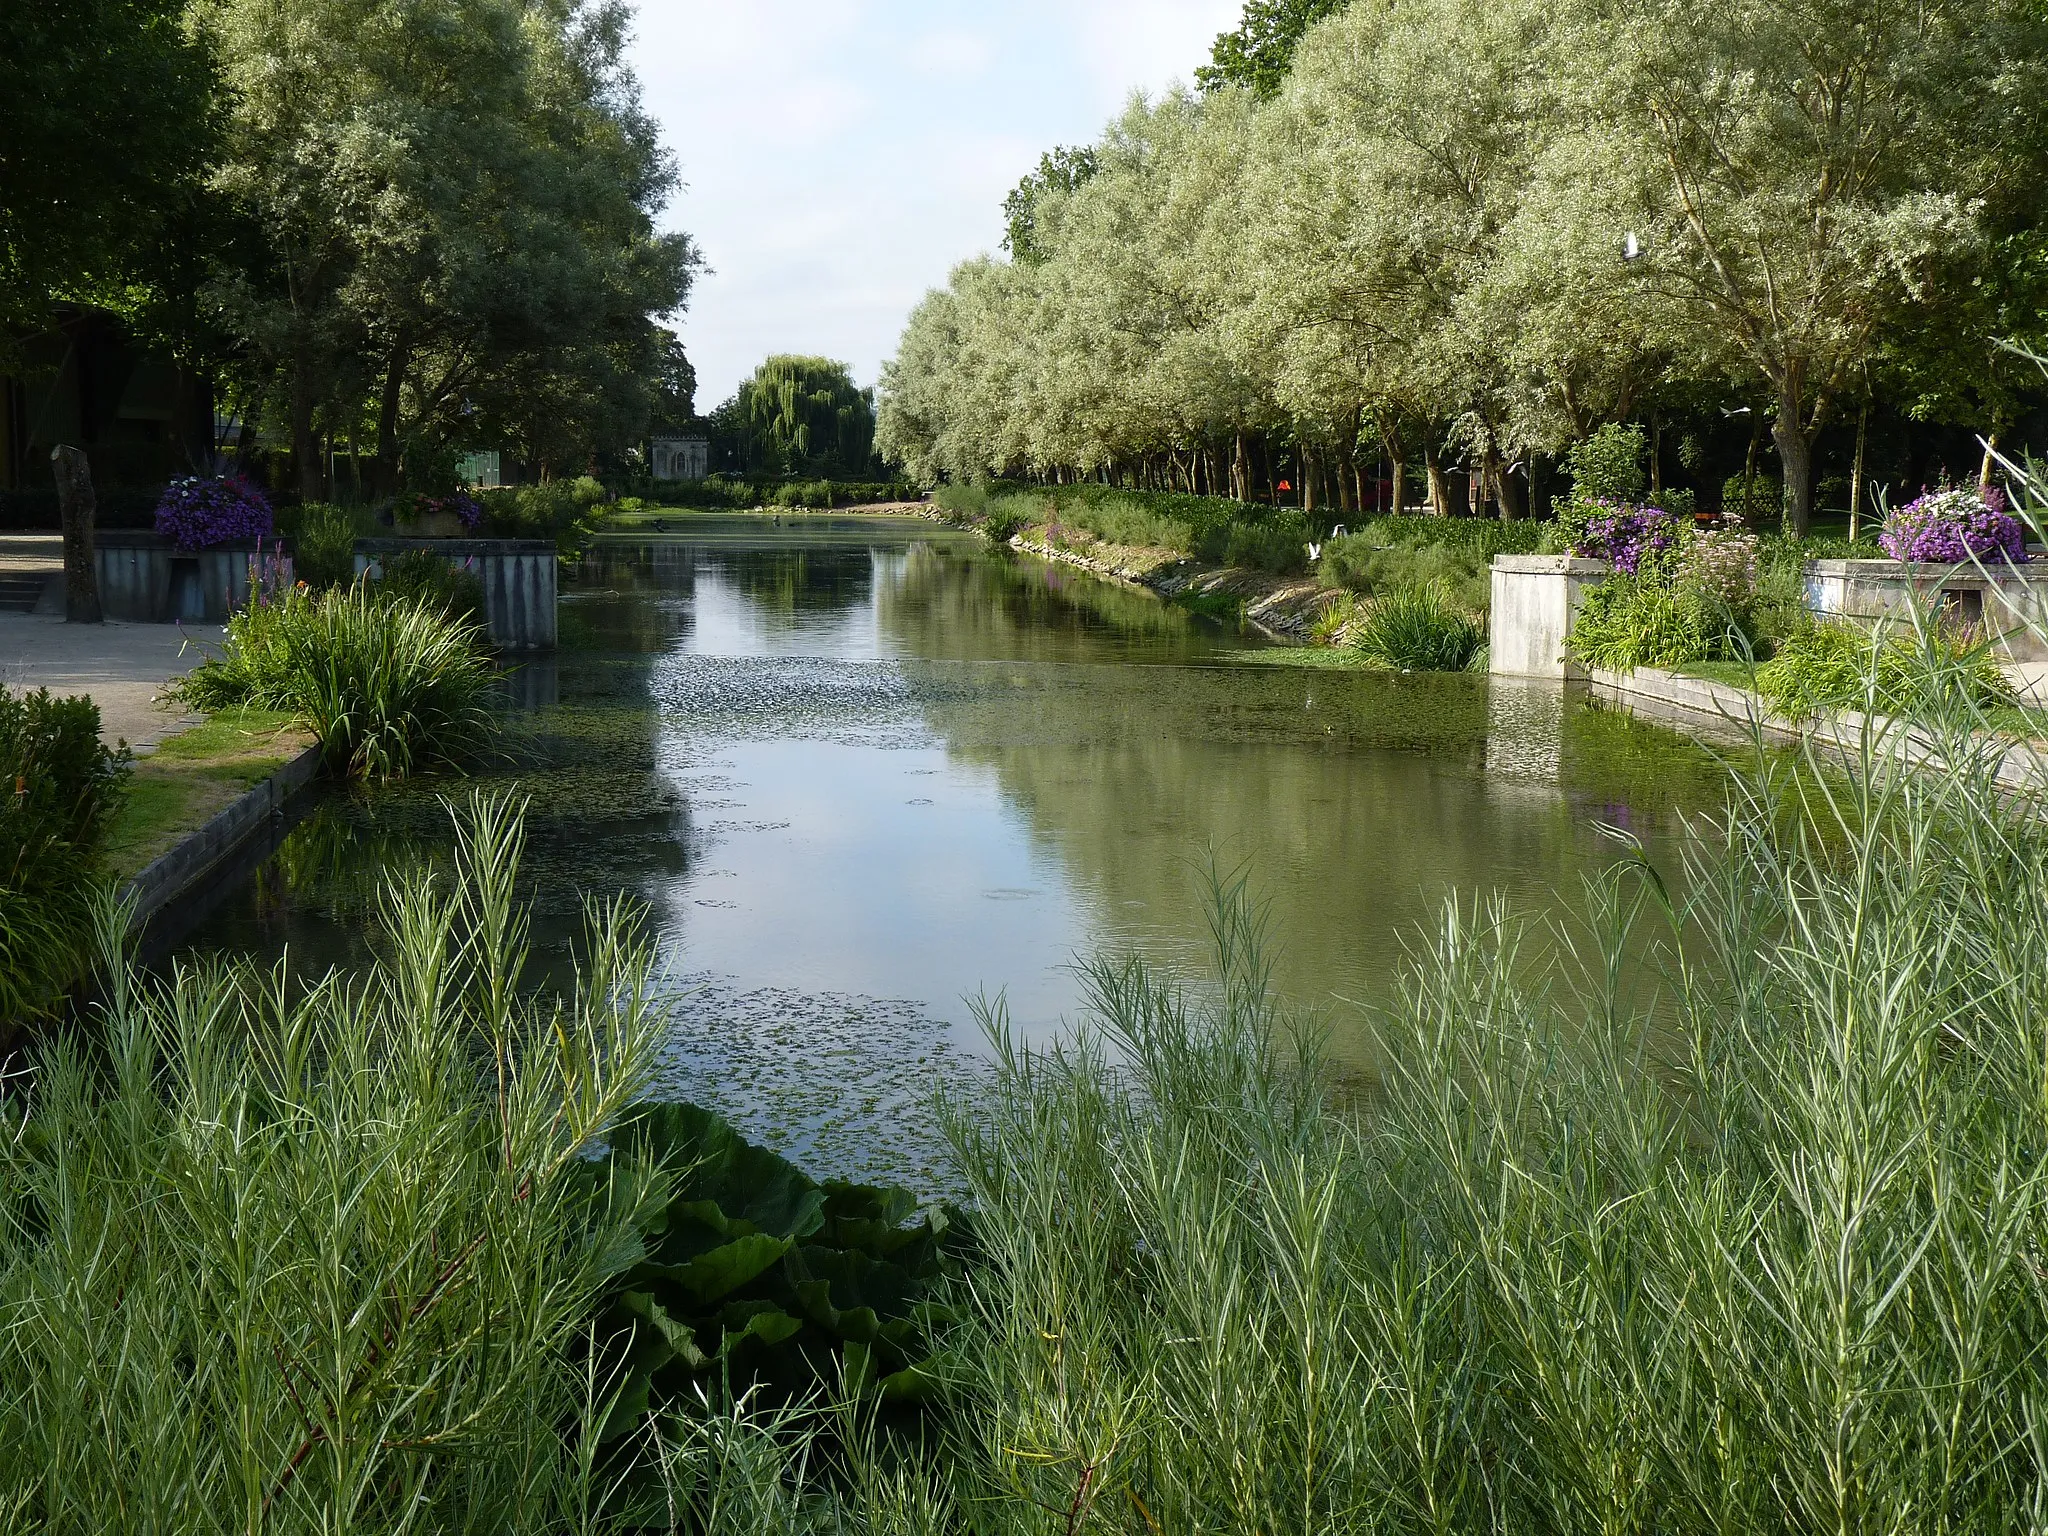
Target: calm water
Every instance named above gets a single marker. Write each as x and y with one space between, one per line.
863 771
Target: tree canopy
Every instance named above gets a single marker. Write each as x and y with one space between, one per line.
1446 232
800 415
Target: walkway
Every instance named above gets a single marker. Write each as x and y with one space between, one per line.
122 666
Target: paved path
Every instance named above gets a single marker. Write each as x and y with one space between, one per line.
121 665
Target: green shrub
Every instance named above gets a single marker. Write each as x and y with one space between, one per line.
59 791
1909 670
1756 501
436 582
325 1258
323 539
1609 464
1279 546
1647 621
1418 631
565 511
387 687
1398 555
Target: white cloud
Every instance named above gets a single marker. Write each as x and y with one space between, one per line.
842 155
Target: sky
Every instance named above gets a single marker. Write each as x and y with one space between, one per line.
841 156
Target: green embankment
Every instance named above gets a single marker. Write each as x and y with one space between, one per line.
193 776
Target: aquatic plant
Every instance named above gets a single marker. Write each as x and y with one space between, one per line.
201 511
323 1257
385 686
1417 630
1951 526
60 789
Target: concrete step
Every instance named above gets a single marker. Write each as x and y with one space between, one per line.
20 594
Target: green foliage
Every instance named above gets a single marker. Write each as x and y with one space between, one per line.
758 1278
1913 670
1609 464
1418 630
1405 554
323 1258
106 122
1755 500
1212 529
565 511
434 582
1064 170
725 493
59 792
1647 620
800 415
386 686
1260 52
323 541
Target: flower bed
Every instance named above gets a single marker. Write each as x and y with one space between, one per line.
202 511
1948 527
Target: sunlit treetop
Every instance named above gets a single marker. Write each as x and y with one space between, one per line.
1260 52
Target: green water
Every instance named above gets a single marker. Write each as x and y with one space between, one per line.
862 772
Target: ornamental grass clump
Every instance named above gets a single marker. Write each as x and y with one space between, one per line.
1949 527
204 510
387 686
1417 630
323 1256
1919 669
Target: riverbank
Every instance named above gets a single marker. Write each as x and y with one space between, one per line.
195 775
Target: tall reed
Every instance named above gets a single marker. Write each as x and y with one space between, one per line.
319 1259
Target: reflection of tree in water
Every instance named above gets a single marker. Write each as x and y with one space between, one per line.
801 580
966 603
601 819
1360 802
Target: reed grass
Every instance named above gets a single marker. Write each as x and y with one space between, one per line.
386 685
1417 629
287 1260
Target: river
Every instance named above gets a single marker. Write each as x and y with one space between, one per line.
863 771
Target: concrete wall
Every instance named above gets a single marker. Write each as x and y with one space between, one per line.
145 579
2009 601
1535 600
518 577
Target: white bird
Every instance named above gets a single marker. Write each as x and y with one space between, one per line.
1631 246
1315 552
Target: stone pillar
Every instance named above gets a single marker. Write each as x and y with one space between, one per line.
1535 600
75 500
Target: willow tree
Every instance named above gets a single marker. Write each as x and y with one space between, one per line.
803 415
1802 164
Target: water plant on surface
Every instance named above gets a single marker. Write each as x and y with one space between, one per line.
59 791
1951 526
1418 630
324 1258
201 511
1915 669
386 686
762 1281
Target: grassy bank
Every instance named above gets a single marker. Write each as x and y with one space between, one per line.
193 776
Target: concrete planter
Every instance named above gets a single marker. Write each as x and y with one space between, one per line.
2010 601
1535 600
518 577
146 579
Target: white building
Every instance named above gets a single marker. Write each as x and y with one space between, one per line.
680 458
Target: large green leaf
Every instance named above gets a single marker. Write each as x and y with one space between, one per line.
715 1275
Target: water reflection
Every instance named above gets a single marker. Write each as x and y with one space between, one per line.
860 772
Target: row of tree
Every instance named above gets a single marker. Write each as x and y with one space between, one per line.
1425 231
387 228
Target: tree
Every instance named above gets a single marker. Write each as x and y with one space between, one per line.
1259 53
1064 170
803 415
1797 165
106 118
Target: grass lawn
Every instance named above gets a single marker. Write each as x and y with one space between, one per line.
1736 674
193 776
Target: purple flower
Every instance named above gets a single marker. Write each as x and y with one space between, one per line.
204 510
1623 534
1948 527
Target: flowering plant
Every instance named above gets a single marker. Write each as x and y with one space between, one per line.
1950 526
467 509
1719 564
203 510
1622 533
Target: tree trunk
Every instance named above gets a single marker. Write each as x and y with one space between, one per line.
1795 457
75 500
1439 492
1505 494
1656 455
1398 484
387 417
305 450
1856 475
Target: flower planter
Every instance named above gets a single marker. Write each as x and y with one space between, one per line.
146 579
2009 601
518 577
1535 600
